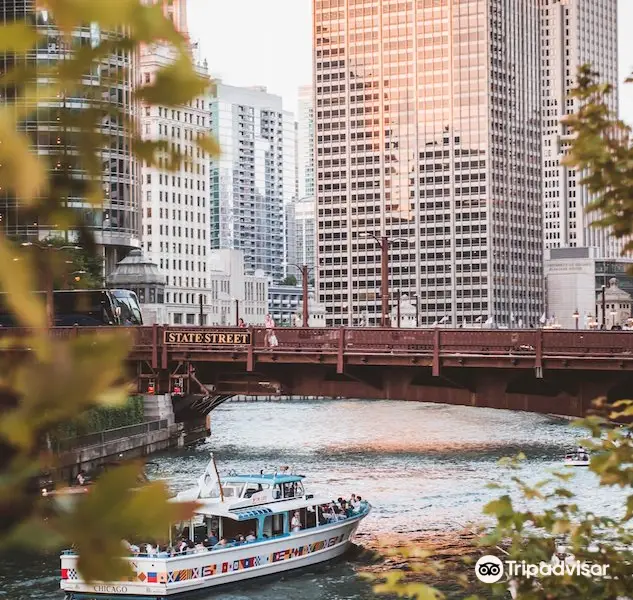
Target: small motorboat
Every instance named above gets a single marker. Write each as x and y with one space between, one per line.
578 457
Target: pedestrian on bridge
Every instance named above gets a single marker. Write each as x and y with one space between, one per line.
271 338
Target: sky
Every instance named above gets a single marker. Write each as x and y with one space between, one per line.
269 43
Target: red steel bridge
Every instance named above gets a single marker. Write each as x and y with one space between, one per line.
547 371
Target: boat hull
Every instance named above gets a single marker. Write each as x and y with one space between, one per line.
576 463
168 577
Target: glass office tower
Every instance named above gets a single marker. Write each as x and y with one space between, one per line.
428 132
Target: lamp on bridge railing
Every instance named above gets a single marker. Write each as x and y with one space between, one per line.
415 300
576 316
304 270
76 275
384 242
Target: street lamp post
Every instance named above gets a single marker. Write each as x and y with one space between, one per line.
398 307
237 312
604 307
304 269
416 303
384 243
384 281
576 316
304 294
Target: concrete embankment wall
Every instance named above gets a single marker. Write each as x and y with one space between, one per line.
158 433
139 441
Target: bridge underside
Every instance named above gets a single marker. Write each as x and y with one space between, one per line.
561 392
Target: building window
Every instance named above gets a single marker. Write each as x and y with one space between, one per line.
177 318
191 318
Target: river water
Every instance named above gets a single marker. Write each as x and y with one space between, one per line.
423 467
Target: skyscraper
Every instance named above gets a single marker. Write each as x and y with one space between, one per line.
254 177
116 223
176 204
575 32
301 235
305 141
428 133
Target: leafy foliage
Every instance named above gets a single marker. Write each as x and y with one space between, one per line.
100 418
289 280
602 150
58 379
74 267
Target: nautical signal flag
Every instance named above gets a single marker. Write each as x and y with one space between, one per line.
152 578
64 573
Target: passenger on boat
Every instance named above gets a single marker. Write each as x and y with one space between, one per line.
240 539
295 524
132 548
150 550
221 544
210 541
359 504
327 513
251 536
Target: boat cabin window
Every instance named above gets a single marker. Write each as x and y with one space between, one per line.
291 490
273 525
231 530
254 488
233 490
307 517
195 530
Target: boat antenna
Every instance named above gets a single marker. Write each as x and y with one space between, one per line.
218 476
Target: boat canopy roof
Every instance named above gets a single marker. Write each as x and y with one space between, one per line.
245 513
268 478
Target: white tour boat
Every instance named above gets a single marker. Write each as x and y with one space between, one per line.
578 457
284 528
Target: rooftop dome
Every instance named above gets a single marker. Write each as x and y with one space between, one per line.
135 270
615 293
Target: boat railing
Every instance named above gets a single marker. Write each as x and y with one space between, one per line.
364 509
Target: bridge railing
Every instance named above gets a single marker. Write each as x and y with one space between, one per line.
594 343
299 338
141 336
369 340
364 340
109 435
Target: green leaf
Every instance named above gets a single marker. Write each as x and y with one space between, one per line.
174 85
17 37
116 509
499 508
16 280
22 172
210 145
